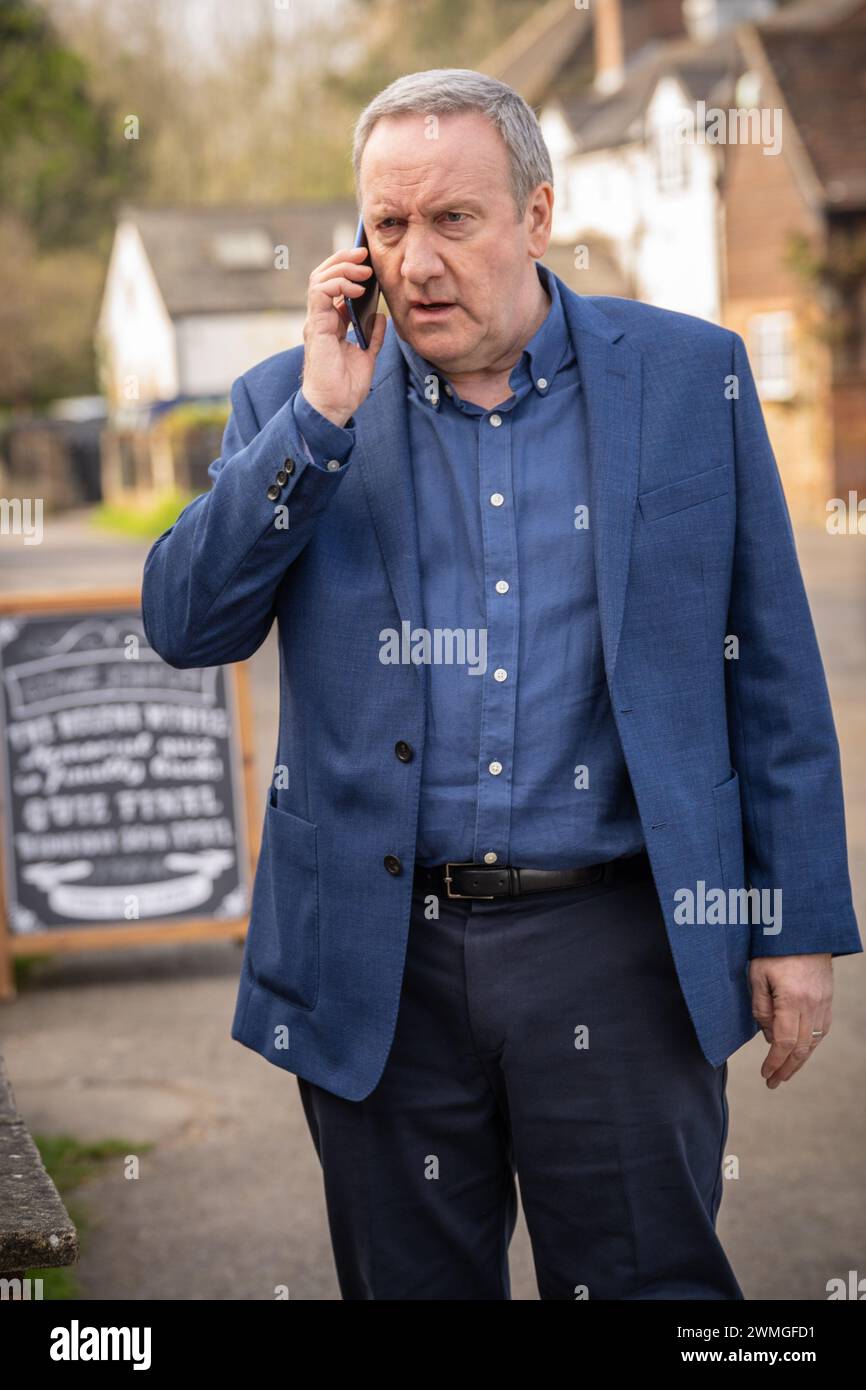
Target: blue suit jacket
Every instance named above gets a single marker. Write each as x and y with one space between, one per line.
734 762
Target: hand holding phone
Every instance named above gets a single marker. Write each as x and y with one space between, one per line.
338 373
362 311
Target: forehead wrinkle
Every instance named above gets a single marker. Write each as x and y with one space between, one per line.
434 182
426 203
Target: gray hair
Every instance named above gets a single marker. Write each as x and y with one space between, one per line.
442 91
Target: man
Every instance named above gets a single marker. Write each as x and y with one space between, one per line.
551 703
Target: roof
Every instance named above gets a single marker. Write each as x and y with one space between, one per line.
551 57
821 77
603 273
707 71
814 13
815 51
221 259
531 59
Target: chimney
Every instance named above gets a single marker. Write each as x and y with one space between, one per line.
609 47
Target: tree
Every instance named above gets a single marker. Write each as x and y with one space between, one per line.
58 170
59 177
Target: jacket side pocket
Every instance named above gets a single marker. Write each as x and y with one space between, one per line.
283 938
729 828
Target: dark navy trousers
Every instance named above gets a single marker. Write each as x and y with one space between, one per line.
544 1037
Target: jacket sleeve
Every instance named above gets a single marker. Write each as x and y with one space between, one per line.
783 740
210 580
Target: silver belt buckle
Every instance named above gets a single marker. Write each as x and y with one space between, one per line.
463 864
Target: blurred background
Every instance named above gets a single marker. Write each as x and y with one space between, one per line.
170 174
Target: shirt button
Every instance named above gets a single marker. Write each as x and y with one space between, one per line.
502 586
289 465
333 465
491 857
541 383
282 477
449 391
500 675
495 768
404 751
496 499
273 492
392 864
495 420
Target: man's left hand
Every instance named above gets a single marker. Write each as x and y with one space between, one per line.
791 999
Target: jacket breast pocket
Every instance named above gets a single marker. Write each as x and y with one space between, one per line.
687 492
282 950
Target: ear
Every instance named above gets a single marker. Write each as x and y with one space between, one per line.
539 213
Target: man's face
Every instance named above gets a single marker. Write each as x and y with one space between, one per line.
443 229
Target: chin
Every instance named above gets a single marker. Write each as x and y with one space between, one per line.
444 340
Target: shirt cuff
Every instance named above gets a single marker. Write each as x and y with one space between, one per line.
325 442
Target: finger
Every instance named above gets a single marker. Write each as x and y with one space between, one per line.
354 254
377 337
800 1052
762 1006
786 1031
330 301
343 268
823 1020
330 289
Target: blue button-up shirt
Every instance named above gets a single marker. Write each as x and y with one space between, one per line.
523 763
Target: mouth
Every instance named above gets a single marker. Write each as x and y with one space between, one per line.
431 310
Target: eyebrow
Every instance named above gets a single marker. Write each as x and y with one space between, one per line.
455 204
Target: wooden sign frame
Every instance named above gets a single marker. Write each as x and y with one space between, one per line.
97 937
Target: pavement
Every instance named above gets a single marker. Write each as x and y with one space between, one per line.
228 1202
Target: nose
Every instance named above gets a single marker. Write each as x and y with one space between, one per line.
421 261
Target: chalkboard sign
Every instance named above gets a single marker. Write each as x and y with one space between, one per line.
124 781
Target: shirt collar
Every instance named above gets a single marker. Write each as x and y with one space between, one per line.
538 364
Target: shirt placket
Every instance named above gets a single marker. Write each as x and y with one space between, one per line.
499 701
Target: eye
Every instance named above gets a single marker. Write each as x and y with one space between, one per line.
455 214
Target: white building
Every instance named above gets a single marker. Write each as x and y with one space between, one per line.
195 296
638 208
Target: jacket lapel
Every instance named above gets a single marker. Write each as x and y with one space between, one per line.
382 449
610 373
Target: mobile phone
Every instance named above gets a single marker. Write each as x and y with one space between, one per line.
362 309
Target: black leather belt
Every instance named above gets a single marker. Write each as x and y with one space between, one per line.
467 880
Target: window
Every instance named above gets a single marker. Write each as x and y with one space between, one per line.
771 351
670 156
245 249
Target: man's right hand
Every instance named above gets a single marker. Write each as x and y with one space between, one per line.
337 373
